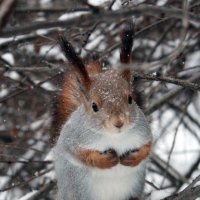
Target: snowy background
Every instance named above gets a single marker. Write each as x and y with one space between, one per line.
166 44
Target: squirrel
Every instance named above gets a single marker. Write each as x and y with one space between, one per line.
103 138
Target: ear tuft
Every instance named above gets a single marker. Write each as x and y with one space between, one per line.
127 37
74 59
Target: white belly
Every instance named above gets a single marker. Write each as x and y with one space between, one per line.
118 183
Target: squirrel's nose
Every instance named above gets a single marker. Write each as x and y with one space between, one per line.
119 124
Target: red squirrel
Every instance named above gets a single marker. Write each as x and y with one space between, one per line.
102 139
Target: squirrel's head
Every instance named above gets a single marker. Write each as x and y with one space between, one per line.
107 95
111 101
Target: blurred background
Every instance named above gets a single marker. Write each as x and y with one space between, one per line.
166 61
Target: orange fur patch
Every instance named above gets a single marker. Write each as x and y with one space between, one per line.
134 158
67 101
97 159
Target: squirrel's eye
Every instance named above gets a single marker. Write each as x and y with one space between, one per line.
95 107
130 99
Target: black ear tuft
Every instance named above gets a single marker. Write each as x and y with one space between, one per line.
127 37
69 52
73 58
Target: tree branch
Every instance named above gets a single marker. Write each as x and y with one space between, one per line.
183 83
51 10
170 95
106 16
189 193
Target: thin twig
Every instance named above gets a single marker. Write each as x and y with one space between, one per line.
51 10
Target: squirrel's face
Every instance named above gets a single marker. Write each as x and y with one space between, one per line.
111 102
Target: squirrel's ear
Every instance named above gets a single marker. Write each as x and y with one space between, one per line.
76 62
127 37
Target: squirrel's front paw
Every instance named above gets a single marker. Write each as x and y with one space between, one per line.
107 159
130 158
93 158
133 157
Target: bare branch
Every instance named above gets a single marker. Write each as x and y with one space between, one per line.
170 95
106 16
26 162
186 84
51 10
189 193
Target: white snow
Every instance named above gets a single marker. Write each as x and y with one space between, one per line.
97 2
161 2
160 194
45 3
117 5
67 16
35 125
54 51
48 86
193 60
3 92
93 43
13 75
29 195
42 31
9 58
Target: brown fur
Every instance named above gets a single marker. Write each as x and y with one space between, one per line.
127 75
97 159
65 105
93 68
134 158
